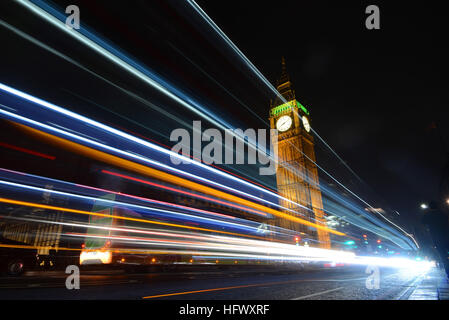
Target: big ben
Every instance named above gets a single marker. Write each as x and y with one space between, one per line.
297 174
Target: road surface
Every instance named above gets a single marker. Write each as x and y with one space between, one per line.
340 283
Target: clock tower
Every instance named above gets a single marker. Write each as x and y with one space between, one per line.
297 174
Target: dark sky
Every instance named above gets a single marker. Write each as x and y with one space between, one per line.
373 94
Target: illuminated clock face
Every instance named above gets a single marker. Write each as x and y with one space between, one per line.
306 123
284 123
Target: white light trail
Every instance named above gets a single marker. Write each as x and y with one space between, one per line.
250 65
144 77
142 142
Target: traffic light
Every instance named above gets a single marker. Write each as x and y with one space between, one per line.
378 241
297 239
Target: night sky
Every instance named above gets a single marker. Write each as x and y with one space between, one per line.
373 94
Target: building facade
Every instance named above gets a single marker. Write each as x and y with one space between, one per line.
297 174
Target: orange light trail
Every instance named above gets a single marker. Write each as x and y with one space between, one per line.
44 206
224 288
180 191
194 158
156 201
19 246
154 173
115 250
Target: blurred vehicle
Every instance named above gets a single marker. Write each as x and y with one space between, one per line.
104 245
32 231
15 260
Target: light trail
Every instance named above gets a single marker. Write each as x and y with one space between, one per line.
249 249
24 246
181 191
261 77
153 211
239 53
115 56
210 290
96 75
27 96
32 152
149 231
256 71
118 58
114 160
35 41
259 250
417 267
19 177
55 208
289 216
127 92
139 142
128 67
123 61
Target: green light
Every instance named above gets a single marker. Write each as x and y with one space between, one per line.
286 106
299 105
281 108
349 242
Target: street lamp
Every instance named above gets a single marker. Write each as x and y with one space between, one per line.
424 206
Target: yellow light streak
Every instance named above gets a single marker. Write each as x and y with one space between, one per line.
154 173
44 206
223 288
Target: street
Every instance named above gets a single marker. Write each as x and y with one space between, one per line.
340 283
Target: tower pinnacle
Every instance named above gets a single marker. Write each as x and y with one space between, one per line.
284 85
284 67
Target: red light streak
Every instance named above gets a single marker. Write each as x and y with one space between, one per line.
32 152
180 191
199 160
156 201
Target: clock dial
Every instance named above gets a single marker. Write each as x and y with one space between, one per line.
284 123
306 123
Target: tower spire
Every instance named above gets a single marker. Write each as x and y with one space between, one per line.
284 85
284 67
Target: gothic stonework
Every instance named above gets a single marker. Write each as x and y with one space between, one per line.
297 174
